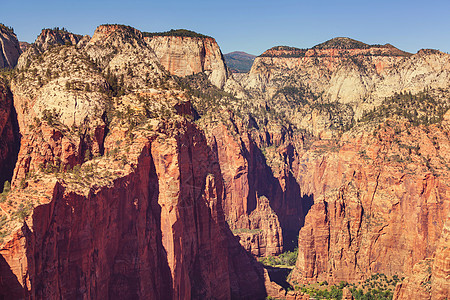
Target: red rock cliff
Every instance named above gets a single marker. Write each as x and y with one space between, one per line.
263 202
156 231
379 206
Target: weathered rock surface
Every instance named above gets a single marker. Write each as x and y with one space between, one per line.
123 51
14 282
263 205
53 37
379 206
336 72
430 278
116 193
177 234
59 104
239 62
304 84
24 46
183 56
155 231
9 48
124 203
265 236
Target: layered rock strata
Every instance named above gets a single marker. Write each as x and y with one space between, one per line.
379 203
183 56
115 197
9 48
430 277
116 193
332 84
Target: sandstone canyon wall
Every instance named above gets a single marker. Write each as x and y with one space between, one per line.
95 223
183 56
129 184
377 208
9 48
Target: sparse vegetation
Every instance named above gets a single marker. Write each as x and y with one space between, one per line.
50 116
176 32
418 109
287 258
6 28
6 190
116 86
23 211
376 287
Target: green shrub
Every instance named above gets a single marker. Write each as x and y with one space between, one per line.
175 32
288 258
6 187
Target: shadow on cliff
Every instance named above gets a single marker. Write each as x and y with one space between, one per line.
288 203
279 276
108 243
10 139
216 264
10 287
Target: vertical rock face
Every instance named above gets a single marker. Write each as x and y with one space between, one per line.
262 205
15 282
9 48
430 277
378 207
158 232
183 56
130 199
135 210
9 139
53 37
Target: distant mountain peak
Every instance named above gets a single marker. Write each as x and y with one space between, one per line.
342 43
242 53
176 32
50 37
239 61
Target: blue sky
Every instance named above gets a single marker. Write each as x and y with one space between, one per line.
250 26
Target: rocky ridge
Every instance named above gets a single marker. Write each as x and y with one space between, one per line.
379 207
9 47
77 150
239 62
349 233
189 54
334 75
119 152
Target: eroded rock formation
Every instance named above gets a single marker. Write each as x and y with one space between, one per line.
380 206
117 192
183 56
115 198
429 278
331 83
9 48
